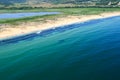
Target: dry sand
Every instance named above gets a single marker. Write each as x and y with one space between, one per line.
35 26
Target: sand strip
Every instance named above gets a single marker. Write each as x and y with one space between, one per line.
36 26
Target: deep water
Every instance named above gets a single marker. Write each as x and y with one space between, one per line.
81 51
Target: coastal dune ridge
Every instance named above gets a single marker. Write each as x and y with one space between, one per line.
26 28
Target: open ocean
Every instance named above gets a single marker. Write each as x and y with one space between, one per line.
81 51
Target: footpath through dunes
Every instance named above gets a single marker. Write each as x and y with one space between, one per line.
31 27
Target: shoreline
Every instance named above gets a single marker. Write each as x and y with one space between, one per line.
37 27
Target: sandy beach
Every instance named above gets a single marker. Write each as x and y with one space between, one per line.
36 26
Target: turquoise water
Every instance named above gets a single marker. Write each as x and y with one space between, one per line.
81 51
27 14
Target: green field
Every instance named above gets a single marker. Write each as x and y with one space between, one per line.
64 12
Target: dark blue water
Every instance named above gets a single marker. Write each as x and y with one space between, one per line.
28 14
81 51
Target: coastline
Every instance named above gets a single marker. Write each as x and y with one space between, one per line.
27 28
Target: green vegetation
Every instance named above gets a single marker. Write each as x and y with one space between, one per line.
64 12
54 3
29 19
8 2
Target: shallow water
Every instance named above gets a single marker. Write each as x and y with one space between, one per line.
82 51
28 14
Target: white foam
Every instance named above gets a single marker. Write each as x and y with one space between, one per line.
38 32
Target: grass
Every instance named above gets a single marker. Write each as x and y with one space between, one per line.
64 11
28 19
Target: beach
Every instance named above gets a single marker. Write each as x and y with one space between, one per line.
7 31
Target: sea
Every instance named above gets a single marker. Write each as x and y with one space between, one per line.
82 51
